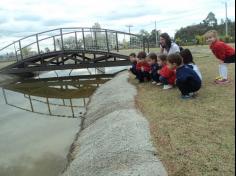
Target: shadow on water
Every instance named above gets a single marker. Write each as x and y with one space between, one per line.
61 97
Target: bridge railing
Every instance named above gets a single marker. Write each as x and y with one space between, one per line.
79 39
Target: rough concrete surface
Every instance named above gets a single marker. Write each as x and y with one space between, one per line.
116 140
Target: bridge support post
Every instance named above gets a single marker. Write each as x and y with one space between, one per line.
117 43
76 41
16 53
95 40
62 44
37 41
108 50
21 54
83 38
54 43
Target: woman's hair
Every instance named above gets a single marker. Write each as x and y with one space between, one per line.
175 59
187 56
132 55
167 39
142 55
211 33
162 57
152 56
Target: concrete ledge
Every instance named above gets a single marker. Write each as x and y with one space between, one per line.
116 138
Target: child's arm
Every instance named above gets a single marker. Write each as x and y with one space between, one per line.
162 49
219 51
142 69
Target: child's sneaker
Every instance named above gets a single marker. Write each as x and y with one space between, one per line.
168 86
218 78
222 81
154 82
191 94
159 84
186 97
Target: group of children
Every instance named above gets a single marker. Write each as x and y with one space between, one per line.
179 68
168 70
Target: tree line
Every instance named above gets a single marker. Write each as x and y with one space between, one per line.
193 34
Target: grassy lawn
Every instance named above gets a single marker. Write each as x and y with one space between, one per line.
193 137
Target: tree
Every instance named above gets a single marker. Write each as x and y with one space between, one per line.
152 36
144 33
193 34
199 40
69 43
222 21
26 51
210 20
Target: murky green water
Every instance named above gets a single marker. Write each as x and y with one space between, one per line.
39 120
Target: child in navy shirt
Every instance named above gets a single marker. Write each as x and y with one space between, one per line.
152 61
187 80
188 60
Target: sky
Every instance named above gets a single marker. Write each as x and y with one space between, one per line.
19 18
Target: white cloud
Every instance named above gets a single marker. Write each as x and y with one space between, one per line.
22 17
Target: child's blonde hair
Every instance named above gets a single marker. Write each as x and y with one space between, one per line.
211 33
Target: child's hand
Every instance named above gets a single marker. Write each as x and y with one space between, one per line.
221 62
142 69
158 71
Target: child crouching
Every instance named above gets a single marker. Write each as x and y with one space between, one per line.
133 60
188 60
167 75
152 61
187 80
142 67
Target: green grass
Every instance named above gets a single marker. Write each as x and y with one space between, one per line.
193 137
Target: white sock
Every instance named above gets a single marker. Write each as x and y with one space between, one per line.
220 72
224 71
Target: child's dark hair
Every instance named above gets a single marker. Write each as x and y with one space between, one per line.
167 38
152 56
163 57
142 55
187 56
132 55
175 59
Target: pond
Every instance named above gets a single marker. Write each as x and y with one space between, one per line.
40 117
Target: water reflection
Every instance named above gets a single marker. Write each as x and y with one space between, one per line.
60 97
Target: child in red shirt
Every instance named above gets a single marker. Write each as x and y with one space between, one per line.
223 52
167 75
142 67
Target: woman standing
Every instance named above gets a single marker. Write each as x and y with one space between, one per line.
167 46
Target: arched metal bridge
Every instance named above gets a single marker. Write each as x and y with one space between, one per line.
71 48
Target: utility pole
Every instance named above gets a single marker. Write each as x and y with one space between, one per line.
226 20
129 26
156 31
